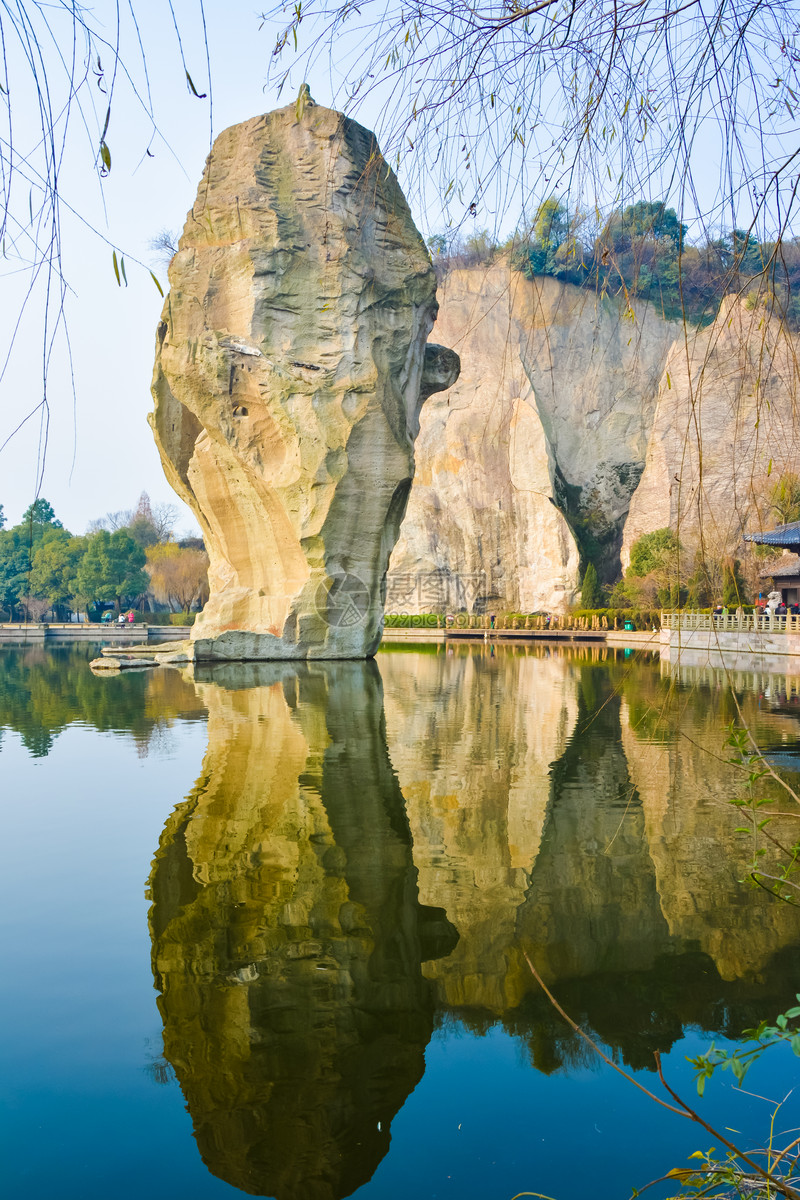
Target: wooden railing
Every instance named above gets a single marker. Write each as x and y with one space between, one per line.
687 622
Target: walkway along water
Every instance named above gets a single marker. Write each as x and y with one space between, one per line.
34 631
679 632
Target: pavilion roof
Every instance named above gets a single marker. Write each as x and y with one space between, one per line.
787 536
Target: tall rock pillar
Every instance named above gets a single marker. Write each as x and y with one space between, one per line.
291 365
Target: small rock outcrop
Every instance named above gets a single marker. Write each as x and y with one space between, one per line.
291 365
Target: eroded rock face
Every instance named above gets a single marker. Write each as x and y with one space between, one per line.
551 415
291 367
726 421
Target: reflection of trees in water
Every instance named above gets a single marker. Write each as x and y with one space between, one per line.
637 1012
45 689
300 971
288 936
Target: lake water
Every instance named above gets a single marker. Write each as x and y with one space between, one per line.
263 928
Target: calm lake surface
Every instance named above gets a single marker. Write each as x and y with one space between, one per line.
263 928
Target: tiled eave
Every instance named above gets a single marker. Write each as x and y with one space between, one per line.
787 536
784 568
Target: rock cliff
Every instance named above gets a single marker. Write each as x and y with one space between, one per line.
291 365
726 420
578 423
550 416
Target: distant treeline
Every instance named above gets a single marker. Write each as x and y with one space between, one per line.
126 559
641 252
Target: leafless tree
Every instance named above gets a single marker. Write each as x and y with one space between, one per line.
149 523
178 577
35 607
164 246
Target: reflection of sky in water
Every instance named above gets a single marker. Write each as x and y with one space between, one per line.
519 794
785 760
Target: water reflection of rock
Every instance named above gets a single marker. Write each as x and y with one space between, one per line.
472 737
539 823
288 935
559 804
685 787
592 904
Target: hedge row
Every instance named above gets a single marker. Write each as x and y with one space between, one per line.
416 620
599 618
180 618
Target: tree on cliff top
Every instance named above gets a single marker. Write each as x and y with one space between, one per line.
498 99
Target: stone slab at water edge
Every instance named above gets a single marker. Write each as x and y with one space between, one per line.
291 365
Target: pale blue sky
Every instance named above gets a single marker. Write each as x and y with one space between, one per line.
101 453
112 329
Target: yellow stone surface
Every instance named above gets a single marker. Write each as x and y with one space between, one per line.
291 365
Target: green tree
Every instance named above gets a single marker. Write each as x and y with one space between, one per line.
700 586
54 568
18 547
734 588
591 592
112 568
437 244
14 569
653 551
40 513
784 499
647 219
654 574
553 248
640 248
550 229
